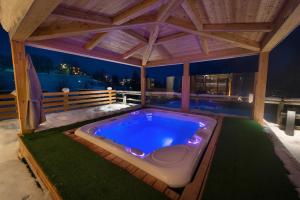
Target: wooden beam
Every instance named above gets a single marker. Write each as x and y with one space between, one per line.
260 87
20 77
135 35
76 49
79 28
162 16
213 55
96 39
143 86
286 21
136 11
203 44
198 18
152 39
222 36
185 88
81 15
36 14
167 8
132 51
193 14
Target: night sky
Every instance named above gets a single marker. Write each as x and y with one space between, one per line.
283 76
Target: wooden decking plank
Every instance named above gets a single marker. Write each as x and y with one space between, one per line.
171 194
160 186
140 174
149 179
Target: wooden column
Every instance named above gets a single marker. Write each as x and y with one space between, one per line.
185 88
260 87
143 86
19 65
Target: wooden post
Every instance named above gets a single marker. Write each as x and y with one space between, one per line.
280 108
185 88
110 96
143 86
66 101
20 76
260 87
229 86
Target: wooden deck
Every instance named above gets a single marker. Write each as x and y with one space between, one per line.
192 191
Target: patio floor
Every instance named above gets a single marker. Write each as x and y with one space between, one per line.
24 186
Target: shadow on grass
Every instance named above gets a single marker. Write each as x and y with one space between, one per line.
245 166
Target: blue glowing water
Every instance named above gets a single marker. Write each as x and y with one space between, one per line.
149 131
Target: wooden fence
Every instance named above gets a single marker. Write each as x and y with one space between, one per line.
8 107
64 101
282 105
131 96
60 101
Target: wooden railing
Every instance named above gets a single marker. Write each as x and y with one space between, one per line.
281 113
64 101
8 107
60 101
131 96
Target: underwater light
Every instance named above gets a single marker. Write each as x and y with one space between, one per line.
201 124
135 152
195 139
135 112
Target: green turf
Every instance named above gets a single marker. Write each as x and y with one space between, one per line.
246 167
79 173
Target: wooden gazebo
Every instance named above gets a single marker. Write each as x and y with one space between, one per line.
148 33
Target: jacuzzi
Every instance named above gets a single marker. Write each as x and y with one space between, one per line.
165 144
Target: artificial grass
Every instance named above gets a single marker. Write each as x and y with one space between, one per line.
245 166
79 173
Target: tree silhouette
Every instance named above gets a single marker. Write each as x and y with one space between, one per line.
115 80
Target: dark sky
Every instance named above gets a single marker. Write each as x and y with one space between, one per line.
283 76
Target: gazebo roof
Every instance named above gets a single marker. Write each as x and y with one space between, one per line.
157 32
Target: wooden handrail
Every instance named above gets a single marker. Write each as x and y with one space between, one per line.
60 101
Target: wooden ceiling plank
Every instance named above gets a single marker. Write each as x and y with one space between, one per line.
132 51
203 44
222 36
96 39
79 28
170 37
213 55
163 51
37 13
286 21
239 27
82 16
135 11
162 16
59 46
166 10
195 16
135 35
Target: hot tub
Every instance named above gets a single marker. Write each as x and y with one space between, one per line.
166 144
